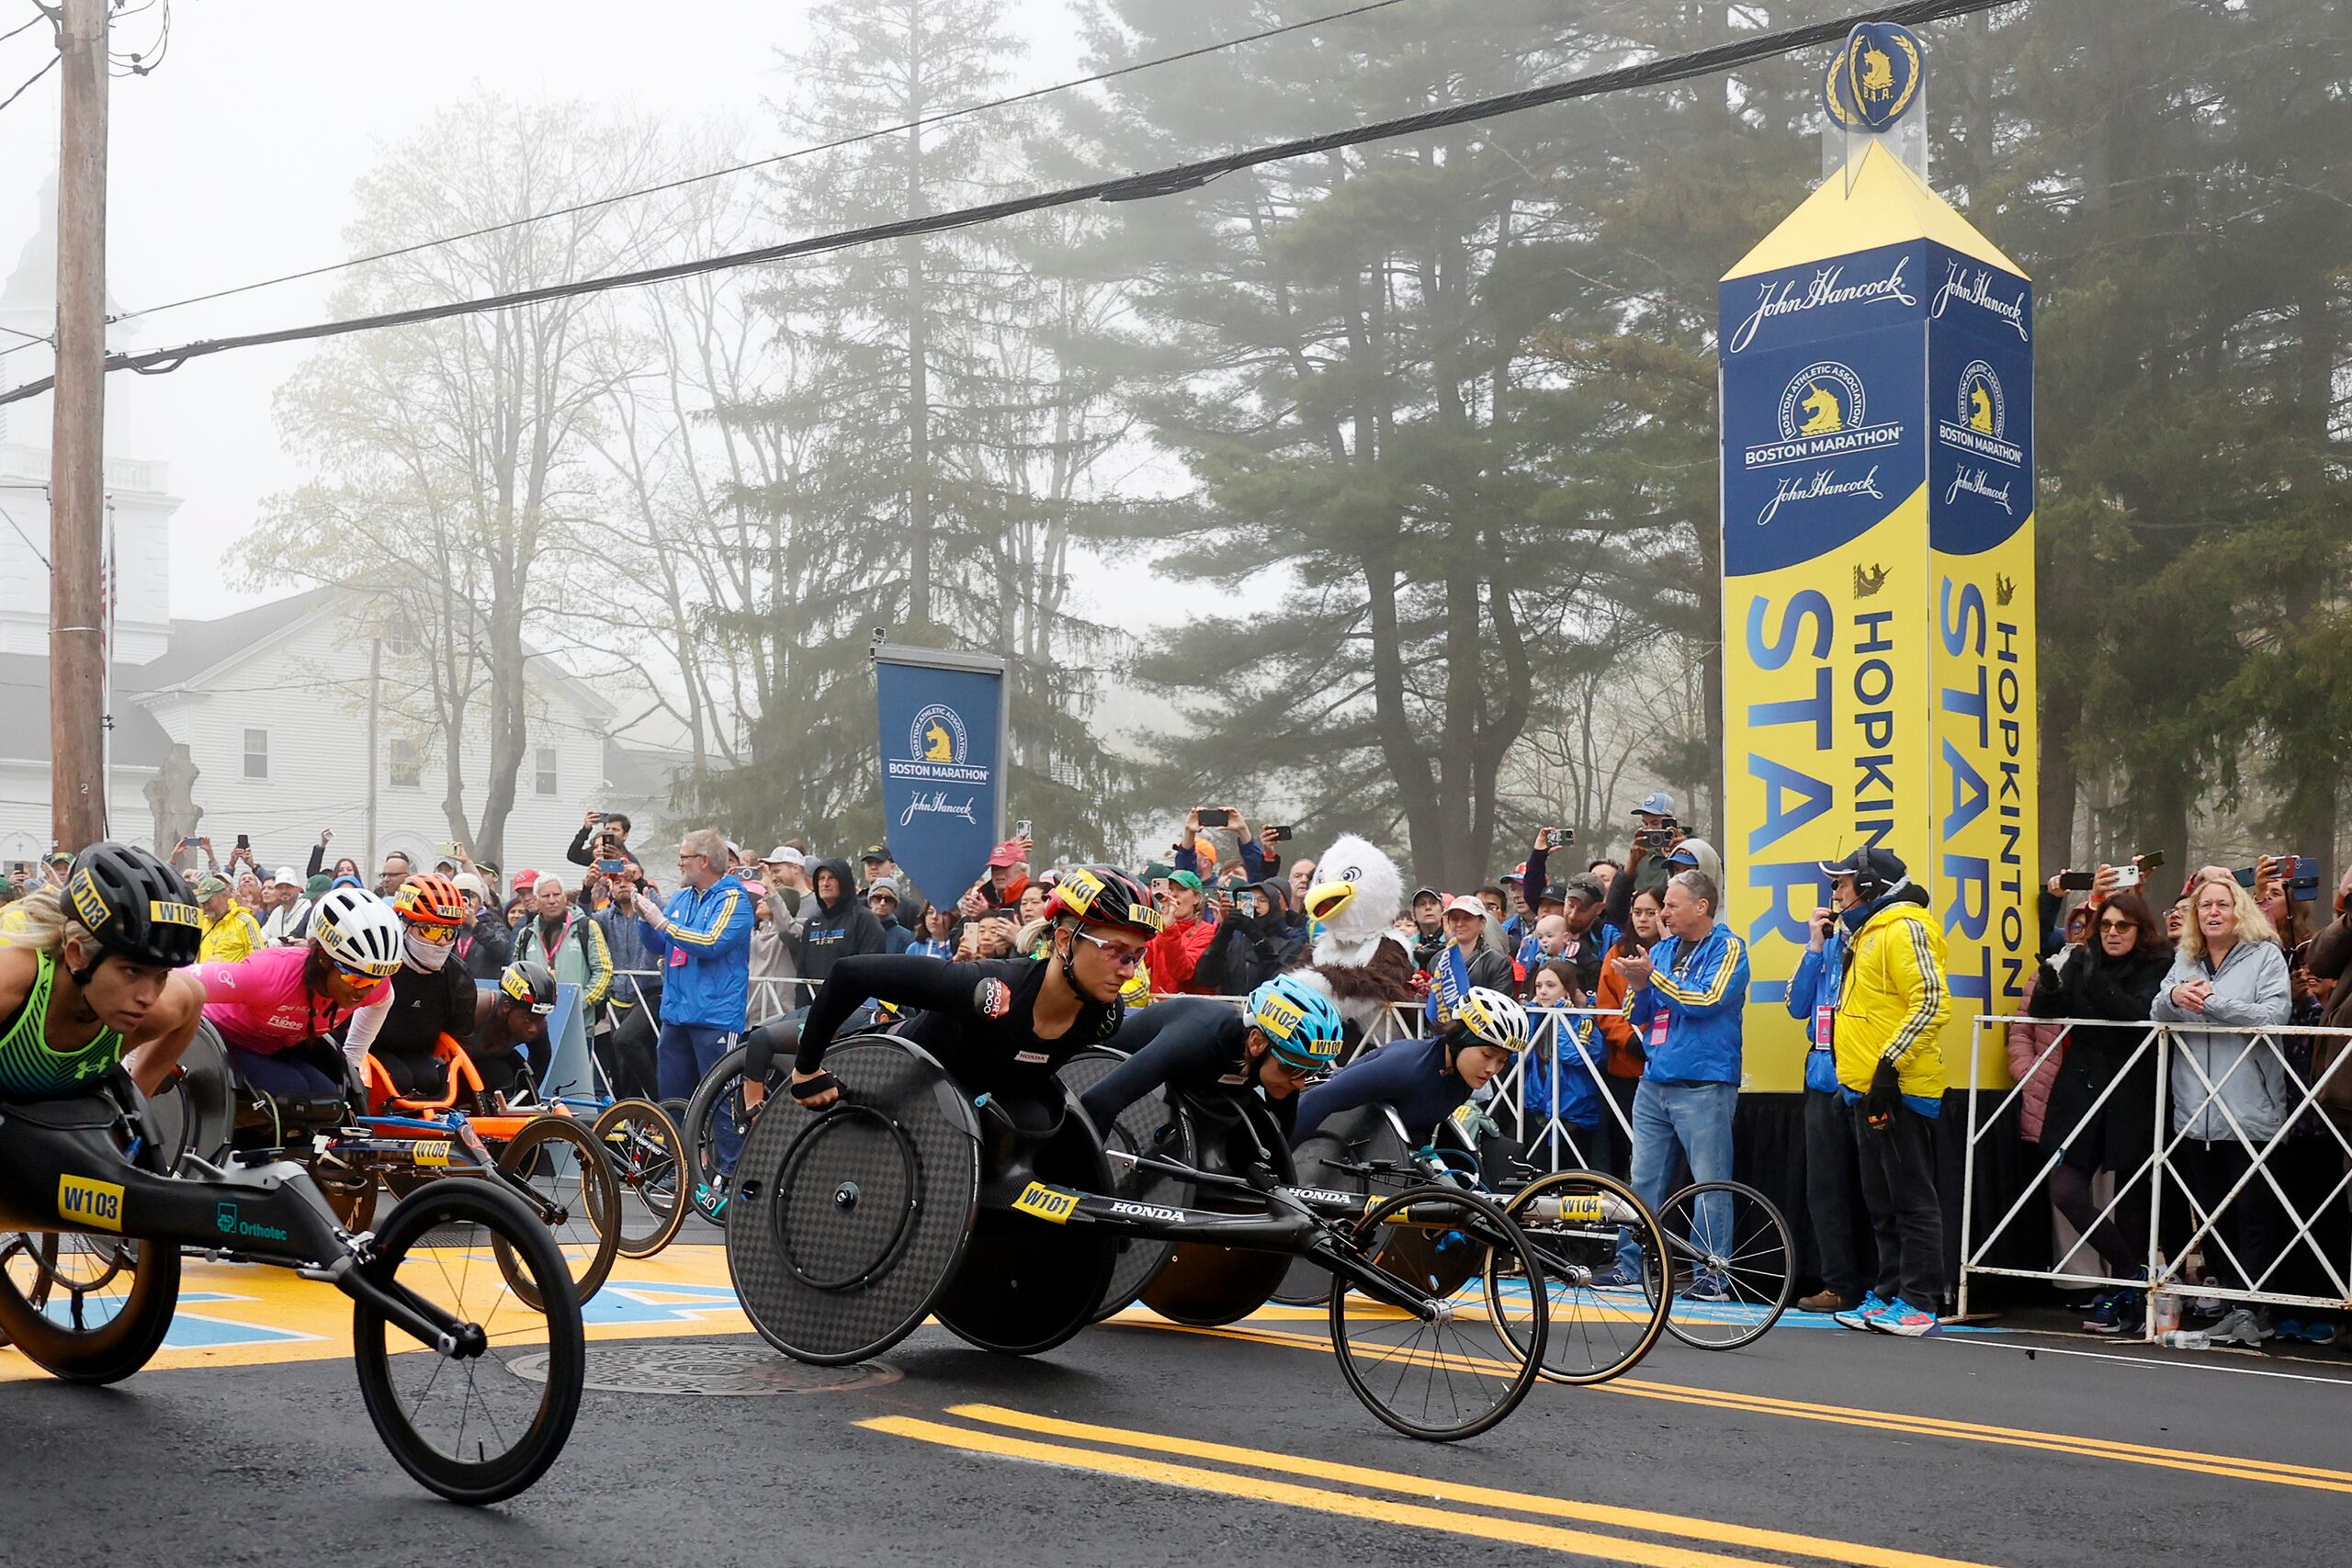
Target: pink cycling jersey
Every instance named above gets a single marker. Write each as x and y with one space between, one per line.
260 1003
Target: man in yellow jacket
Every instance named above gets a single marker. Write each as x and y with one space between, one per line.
1889 1015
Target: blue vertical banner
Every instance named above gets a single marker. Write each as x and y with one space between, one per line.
942 717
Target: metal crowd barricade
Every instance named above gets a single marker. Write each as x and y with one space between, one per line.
2302 1098
773 996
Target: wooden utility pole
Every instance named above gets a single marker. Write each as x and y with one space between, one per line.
77 479
375 759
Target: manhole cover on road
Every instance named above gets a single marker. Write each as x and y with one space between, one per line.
710 1370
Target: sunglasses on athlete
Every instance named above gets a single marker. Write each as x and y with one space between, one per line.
1120 958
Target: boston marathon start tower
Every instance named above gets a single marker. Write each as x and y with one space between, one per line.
1877 384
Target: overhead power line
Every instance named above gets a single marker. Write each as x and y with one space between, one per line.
1129 188
940 118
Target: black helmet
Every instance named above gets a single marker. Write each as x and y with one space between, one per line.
134 904
1107 897
528 983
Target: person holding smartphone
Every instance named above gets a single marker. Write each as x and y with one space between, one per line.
1833 1172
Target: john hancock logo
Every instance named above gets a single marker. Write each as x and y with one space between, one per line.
938 752
1823 414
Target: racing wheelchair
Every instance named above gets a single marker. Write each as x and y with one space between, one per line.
1002 1216
563 1172
1717 1261
95 1211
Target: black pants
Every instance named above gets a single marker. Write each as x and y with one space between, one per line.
415 1077
1833 1195
2252 1225
1899 1187
626 1052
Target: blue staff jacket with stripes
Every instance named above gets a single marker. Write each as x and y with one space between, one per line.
707 971
1702 988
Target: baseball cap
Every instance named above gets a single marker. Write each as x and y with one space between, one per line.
878 852
1185 879
1658 803
317 885
1515 874
1584 888
784 854
1006 853
211 885
1422 893
524 879
1883 865
889 885
1467 904
1156 871
1556 893
345 880
58 857
285 876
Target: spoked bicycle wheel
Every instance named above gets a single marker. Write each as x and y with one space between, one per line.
642 1147
464 1418
1430 1361
564 1167
1729 1264
86 1308
718 1117
1574 1220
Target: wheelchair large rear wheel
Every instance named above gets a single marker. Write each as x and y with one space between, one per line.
564 1167
87 1308
1574 1220
643 1146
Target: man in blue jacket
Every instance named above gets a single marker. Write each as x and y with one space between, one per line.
1833 1174
705 937
1685 996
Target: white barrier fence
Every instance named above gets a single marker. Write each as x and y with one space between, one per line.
1548 1142
2249 1094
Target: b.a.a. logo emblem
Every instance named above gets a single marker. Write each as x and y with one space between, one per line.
937 736
1822 400
1881 74
1979 420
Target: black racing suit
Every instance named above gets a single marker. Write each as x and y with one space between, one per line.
426 1004
980 1053
1190 1042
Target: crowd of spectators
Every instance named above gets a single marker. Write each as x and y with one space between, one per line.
1635 980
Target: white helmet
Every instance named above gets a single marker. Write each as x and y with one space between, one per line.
1490 1017
358 930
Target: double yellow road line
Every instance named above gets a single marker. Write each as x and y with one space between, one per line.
2230 1467
1485 1513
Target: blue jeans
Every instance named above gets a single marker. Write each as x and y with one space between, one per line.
684 1055
1697 1117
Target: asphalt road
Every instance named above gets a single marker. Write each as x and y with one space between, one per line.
1144 1444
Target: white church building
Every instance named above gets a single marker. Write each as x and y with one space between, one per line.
271 703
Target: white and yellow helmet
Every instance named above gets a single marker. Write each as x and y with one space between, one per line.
1489 1018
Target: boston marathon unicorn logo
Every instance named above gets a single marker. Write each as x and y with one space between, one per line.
938 736
1881 74
1822 414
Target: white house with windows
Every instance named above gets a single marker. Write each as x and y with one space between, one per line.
271 706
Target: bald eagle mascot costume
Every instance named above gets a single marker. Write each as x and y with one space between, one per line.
1357 955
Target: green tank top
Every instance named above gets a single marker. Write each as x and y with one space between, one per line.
30 1069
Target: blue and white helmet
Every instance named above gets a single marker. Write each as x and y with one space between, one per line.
1302 1028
